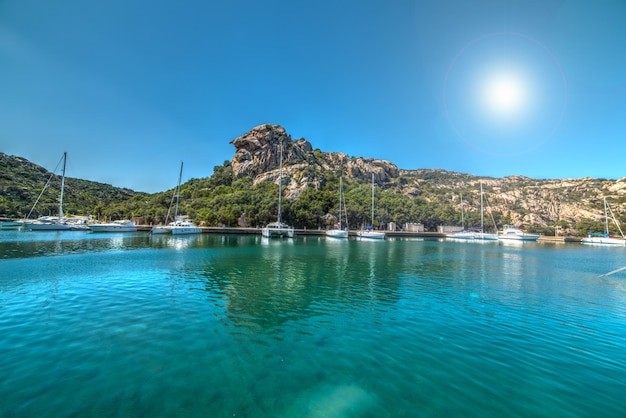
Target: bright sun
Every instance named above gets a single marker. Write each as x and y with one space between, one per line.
505 94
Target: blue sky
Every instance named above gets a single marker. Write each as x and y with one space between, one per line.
130 88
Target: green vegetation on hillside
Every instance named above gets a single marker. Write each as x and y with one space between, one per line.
429 197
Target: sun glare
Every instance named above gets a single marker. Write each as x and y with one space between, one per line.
505 95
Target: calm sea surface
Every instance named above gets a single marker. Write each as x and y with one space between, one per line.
131 325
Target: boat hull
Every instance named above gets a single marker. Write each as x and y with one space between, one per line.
473 236
112 228
278 232
48 227
56 225
465 236
185 230
603 241
337 233
373 235
123 225
525 237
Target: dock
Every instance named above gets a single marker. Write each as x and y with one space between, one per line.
322 232
301 232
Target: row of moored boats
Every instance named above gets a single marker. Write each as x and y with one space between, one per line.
179 226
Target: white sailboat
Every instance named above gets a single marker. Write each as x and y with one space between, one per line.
161 229
278 229
55 223
463 234
605 238
181 225
482 235
338 231
370 233
478 234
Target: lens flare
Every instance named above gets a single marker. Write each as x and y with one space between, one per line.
505 95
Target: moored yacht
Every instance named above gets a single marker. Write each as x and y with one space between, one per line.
122 225
369 232
338 231
605 238
512 232
183 226
55 223
278 229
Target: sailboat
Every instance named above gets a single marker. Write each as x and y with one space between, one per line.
478 234
369 232
278 229
55 223
605 238
463 233
482 235
181 224
338 231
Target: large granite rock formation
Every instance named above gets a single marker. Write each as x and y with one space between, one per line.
258 155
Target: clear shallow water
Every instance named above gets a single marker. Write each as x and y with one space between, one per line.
134 325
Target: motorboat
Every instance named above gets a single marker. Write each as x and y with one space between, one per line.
337 233
370 234
512 232
55 223
123 225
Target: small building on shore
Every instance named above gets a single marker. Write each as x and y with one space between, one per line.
413 227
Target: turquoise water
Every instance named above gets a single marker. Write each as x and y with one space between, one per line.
221 326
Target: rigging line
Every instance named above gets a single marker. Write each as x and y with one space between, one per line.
613 272
615 220
44 188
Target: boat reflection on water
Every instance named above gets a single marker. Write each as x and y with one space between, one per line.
176 241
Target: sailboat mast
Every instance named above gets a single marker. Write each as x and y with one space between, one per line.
340 197
372 201
62 186
606 220
280 184
482 215
462 213
180 176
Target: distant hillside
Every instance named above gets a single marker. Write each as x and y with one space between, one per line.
571 204
244 192
21 182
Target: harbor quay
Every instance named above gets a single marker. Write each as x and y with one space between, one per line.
321 232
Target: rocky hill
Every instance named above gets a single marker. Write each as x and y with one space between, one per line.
244 191
258 154
519 200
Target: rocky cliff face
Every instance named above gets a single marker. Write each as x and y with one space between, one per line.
525 201
258 155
